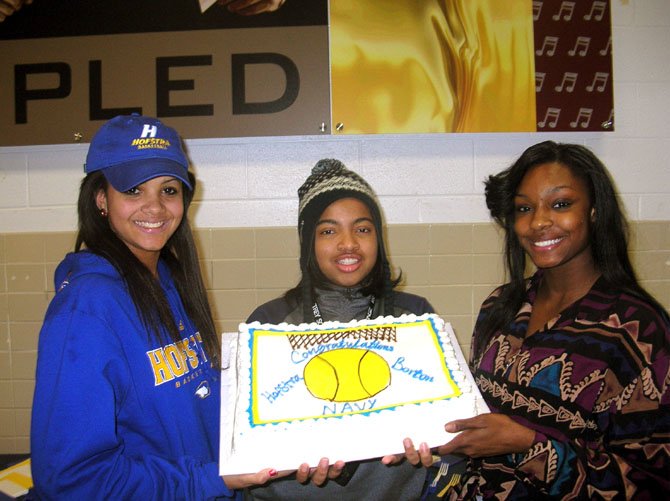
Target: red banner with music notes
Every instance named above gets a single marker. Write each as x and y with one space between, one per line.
573 65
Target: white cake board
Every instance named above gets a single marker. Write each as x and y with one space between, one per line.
350 438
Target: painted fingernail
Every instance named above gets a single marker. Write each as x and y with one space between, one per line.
273 473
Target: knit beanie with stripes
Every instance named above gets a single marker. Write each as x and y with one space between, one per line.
330 181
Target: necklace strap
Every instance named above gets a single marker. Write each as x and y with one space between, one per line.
319 319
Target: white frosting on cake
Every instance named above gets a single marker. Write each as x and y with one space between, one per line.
344 391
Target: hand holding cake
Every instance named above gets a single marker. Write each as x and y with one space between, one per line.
477 436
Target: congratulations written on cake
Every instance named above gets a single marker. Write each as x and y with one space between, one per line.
346 391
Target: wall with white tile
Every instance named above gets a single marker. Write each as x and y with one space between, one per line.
428 178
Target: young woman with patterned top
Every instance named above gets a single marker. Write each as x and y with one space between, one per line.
574 362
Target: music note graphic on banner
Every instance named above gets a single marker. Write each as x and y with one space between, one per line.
569 78
603 52
549 45
551 114
566 10
583 118
599 78
539 81
597 11
581 46
537 9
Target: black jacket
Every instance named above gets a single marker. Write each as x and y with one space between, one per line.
282 310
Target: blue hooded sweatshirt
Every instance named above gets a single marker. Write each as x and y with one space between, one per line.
116 414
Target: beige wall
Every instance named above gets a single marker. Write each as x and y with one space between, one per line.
453 265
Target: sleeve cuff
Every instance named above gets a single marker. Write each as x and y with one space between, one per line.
539 438
214 485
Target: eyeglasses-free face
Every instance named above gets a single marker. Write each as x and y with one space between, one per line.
553 217
345 242
145 217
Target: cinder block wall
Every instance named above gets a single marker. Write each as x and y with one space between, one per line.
454 265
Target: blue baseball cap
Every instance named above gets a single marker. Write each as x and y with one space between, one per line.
131 149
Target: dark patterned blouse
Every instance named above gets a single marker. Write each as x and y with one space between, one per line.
594 385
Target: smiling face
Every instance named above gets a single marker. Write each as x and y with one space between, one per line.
553 217
145 217
345 242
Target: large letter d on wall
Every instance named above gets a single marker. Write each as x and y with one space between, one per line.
240 104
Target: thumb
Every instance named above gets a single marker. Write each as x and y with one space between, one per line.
457 425
451 427
265 475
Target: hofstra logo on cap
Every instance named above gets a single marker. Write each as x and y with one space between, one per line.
127 138
131 149
148 139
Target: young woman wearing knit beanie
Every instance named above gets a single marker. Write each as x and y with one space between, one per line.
345 276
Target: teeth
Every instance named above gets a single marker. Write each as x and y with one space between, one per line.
348 261
146 224
547 243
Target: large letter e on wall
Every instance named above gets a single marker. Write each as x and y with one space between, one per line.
240 104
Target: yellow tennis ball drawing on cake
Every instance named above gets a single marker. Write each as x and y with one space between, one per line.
346 375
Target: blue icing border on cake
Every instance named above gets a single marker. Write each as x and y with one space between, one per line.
430 319
436 332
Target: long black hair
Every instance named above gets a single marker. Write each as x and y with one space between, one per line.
180 254
608 231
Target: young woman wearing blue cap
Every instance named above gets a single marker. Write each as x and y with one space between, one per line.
345 275
127 395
